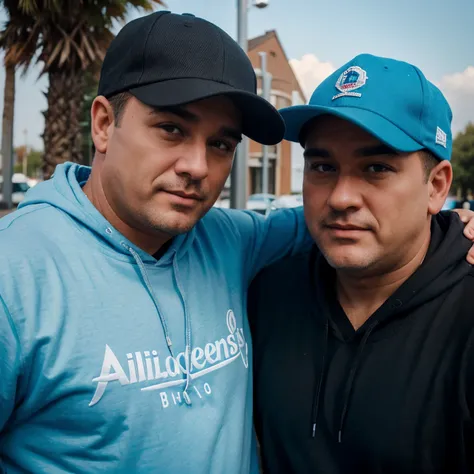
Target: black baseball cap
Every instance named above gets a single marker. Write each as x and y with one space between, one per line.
167 59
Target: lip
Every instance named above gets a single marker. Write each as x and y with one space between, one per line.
346 231
185 196
345 227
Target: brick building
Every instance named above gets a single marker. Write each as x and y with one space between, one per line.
285 91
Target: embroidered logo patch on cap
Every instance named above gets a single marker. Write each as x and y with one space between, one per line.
351 79
440 137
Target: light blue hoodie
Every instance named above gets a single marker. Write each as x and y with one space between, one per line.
96 338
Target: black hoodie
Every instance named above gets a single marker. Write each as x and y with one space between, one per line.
395 396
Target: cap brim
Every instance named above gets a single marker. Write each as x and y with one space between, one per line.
296 117
260 120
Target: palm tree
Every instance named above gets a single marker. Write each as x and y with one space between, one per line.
70 37
75 40
18 52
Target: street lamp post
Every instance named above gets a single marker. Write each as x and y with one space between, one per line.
265 78
238 177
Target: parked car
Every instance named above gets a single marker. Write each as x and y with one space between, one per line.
19 188
287 200
450 203
223 203
260 203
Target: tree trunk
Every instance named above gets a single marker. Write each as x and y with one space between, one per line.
62 130
7 135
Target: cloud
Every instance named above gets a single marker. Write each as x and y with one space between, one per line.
310 72
458 89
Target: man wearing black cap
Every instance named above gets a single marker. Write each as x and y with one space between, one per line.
124 342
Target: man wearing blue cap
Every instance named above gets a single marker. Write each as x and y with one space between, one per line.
364 347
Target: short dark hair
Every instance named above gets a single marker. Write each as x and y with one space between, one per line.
118 103
429 162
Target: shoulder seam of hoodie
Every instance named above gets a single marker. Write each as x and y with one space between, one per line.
37 207
100 247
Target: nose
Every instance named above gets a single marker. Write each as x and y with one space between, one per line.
346 194
193 163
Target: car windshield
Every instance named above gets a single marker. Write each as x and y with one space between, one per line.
260 197
20 187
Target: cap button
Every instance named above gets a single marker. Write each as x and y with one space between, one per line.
189 21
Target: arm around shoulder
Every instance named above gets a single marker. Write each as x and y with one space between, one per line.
268 239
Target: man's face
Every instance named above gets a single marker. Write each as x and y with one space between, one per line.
365 205
164 168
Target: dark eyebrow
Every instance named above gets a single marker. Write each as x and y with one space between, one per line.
231 133
176 110
190 117
365 152
376 150
316 153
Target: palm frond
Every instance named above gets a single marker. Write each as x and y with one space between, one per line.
28 7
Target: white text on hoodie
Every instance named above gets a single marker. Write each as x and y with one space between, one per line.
149 366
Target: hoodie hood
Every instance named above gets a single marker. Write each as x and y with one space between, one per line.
64 191
444 266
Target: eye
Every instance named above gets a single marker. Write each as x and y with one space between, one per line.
321 167
378 168
171 128
222 145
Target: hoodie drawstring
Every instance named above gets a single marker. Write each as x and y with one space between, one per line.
187 323
351 378
355 364
169 343
144 275
317 397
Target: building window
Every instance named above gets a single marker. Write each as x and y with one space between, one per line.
255 184
282 102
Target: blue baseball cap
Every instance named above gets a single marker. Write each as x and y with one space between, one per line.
392 100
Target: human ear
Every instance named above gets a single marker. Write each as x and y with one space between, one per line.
102 123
